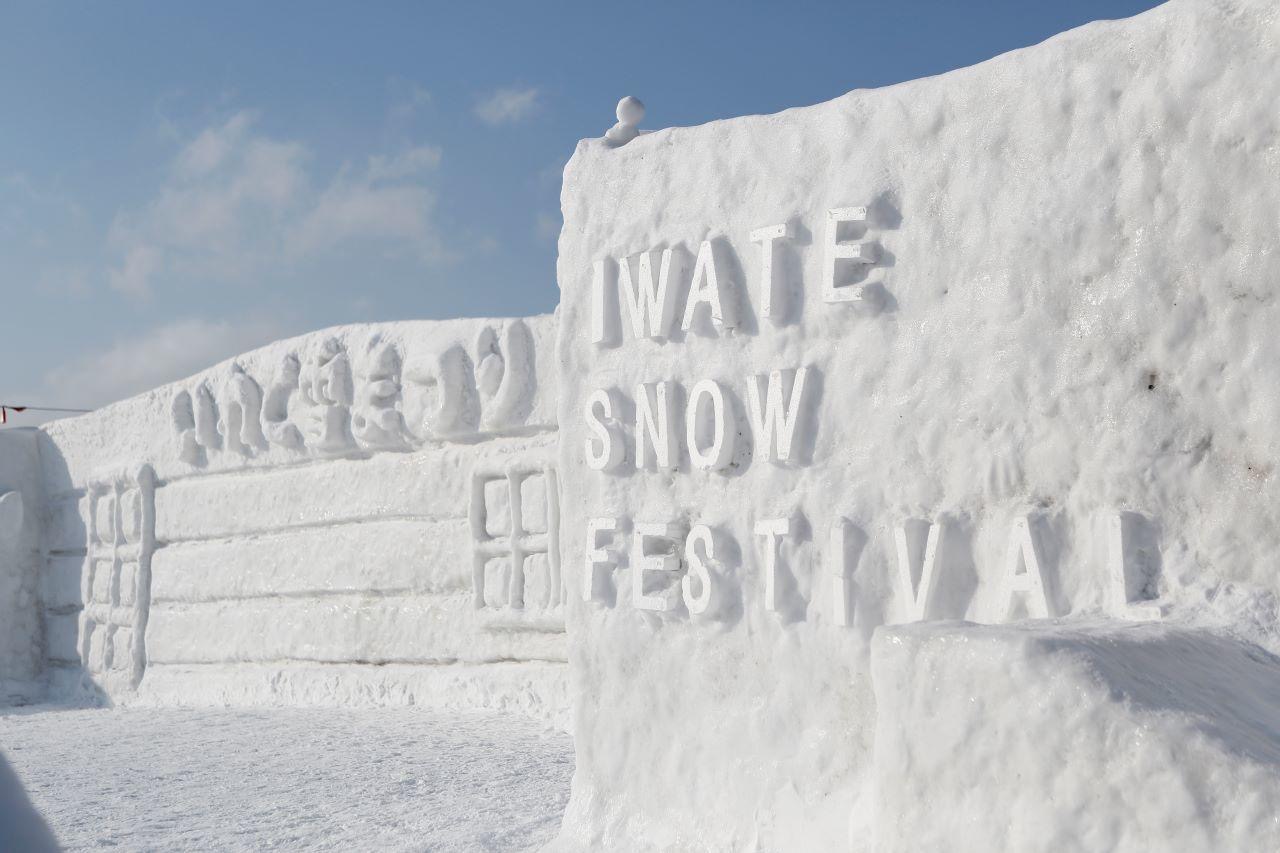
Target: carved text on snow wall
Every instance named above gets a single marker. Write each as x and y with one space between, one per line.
676 567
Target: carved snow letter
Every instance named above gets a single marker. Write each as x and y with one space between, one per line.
1023 550
598 413
773 423
709 421
651 307
655 427
597 556
705 289
1119 552
653 551
917 571
773 529
766 237
858 253
699 575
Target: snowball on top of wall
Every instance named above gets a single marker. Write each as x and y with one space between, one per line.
630 112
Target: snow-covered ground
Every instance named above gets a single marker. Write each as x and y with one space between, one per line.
319 779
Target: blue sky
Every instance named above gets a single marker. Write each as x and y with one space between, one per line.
180 182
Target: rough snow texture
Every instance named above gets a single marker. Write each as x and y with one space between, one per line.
285 779
21 500
1072 313
331 518
1045 737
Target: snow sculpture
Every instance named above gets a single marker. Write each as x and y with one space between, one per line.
1028 584
917 566
117 582
505 375
376 420
441 400
654 554
773 530
325 387
598 555
655 427
206 418
184 421
630 113
709 416
863 254
599 412
241 405
1132 566
276 423
649 304
773 422
707 289
770 306
506 529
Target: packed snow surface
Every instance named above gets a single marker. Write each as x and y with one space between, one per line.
314 779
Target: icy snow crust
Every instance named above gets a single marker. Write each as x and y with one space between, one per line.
1079 262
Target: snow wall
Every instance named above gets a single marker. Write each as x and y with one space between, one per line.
329 519
21 497
986 346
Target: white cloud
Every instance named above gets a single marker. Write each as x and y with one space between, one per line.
237 204
507 106
407 99
164 354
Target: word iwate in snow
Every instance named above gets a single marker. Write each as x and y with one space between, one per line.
645 289
673 569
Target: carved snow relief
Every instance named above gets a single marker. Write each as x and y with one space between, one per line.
331 402
117 580
515 529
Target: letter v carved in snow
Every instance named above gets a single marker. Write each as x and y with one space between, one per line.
916 571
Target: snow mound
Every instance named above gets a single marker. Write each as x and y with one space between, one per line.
1103 736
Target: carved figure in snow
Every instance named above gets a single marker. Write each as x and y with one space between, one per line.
206 418
184 421
376 419
325 387
242 412
440 397
505 375
275 408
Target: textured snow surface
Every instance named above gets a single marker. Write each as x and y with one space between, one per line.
384 779
1074 736
1078 265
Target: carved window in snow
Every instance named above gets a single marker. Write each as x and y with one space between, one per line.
117 580
515 521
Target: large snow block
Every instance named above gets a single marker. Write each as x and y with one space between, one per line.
993 344
1068 737
21 502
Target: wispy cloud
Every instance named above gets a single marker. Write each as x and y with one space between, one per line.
163 354
509 105
237 202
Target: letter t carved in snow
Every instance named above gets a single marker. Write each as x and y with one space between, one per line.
773 529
